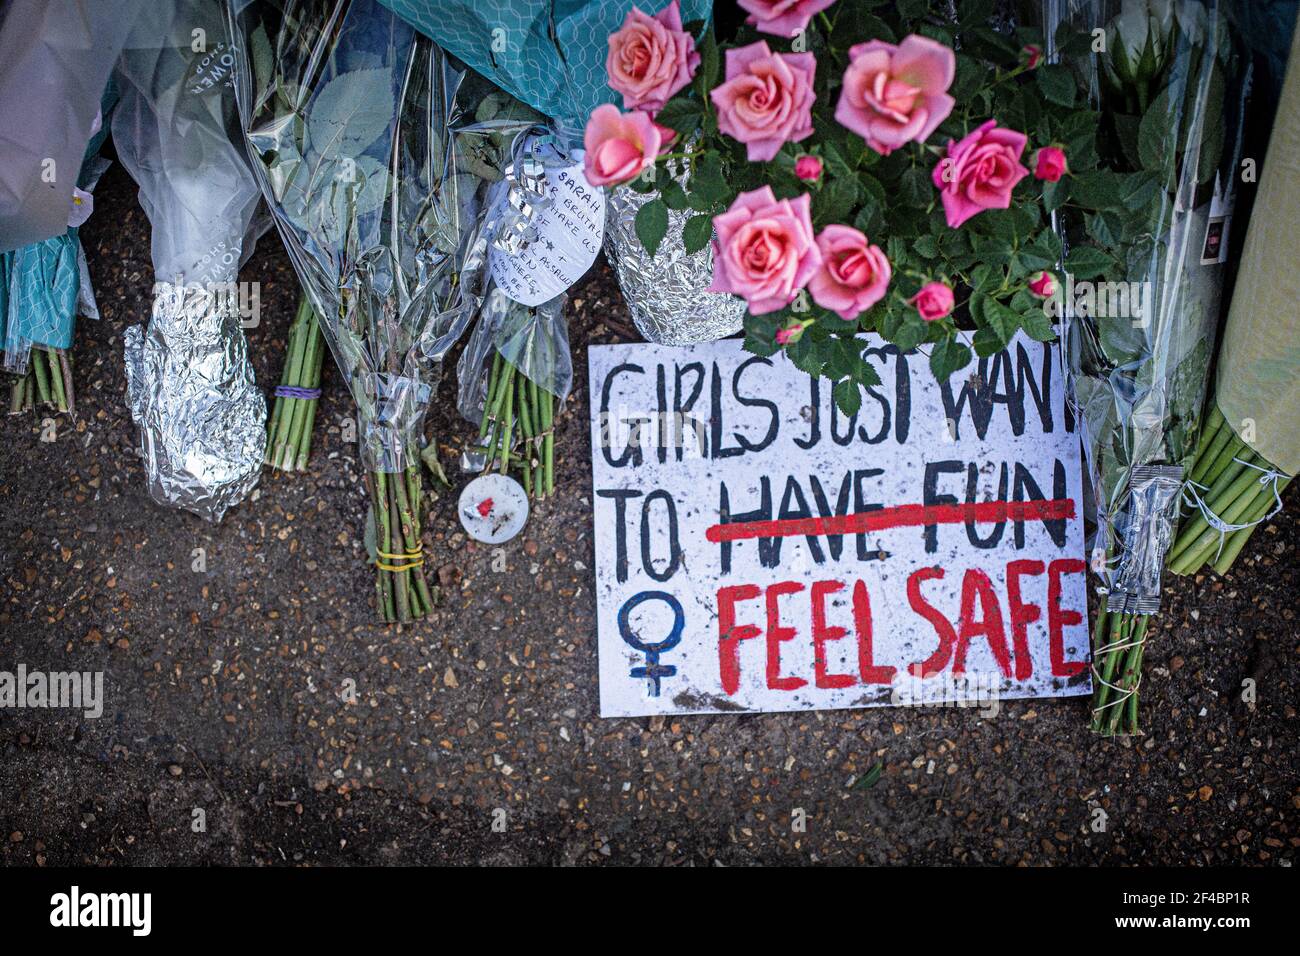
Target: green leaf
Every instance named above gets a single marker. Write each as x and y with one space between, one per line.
1088 262
1055 194
1036 323
345 117
1138 189
651 224
835 200
915 187
708 181
682 114
871 777
673 196
1043 253
1057 84
947 356
848 396
1157 136
1098 189
710 62
1000 319
696 233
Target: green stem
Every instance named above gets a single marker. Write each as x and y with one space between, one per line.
548 423
507 419
408 511
56 377
400 581
1214 437
1229 507
383 593
42 377
1264 503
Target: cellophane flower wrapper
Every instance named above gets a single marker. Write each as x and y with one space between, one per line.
201 416
348 114
353 120
516 149
550 55
1138 378
56 57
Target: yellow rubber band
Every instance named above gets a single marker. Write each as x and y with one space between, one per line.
401 567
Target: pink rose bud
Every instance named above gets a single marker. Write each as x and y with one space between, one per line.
1050 164
854 274
620 146
651 58
1033 55
791 333
894 95
1043 285
808 168
766 100
782 18
934 301
979 172
764 250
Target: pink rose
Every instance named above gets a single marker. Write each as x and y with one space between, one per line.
620 146
767 98
934 301
1042 284
979 172
1050 164
808 168
783 18
792 333
1033 55
854 274
651 58
764 251
894 95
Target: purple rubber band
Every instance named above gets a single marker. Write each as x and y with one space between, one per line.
293 391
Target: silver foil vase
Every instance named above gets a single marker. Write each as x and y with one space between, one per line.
667 292
202 419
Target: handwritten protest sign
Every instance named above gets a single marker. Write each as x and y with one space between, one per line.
757 550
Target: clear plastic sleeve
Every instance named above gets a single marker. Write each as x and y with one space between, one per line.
202 423
55 58
354 122
1139 343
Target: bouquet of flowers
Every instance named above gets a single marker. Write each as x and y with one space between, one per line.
1250 447
350 119
858 167
1139 346
201 417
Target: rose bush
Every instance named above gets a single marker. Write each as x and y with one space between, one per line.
881 120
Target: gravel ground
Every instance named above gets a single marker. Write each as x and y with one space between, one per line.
474 737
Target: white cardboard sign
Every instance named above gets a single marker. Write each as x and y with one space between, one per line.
757 551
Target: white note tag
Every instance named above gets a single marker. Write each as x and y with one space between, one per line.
570 228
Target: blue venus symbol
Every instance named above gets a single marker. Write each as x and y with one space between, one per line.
653 671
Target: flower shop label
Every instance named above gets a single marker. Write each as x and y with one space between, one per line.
570 227
757 550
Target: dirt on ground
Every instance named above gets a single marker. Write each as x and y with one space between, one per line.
256 714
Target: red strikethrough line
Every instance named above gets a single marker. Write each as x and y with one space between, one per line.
900 516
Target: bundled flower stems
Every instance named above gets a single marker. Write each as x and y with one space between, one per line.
516 406
47 381
1168 128
1240 489
289 432
351 121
